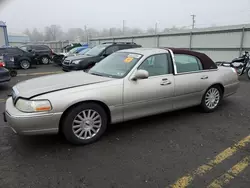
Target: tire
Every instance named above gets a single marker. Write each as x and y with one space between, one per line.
45 60
248 73
78 127
13 73
25 64
211 104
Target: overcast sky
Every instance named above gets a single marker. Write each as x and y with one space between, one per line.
22 14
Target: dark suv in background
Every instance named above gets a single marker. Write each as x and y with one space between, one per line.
42 52
21 59
94 55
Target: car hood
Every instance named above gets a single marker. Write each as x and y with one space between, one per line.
78 57
51 83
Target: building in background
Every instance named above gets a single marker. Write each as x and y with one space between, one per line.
18 39
3 34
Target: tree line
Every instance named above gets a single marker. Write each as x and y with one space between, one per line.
55 32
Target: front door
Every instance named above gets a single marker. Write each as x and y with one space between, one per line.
152 95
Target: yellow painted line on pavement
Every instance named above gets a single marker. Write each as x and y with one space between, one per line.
203 169
40 73
230 174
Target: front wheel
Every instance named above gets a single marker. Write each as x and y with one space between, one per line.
13 73
24 64
248 73
85 123
211 99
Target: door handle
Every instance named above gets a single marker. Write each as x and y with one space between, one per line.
165 82
204 77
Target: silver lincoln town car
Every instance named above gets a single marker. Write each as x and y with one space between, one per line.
126 85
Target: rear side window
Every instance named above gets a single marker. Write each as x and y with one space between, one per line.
111 49
187 63
123 47
2 52
41 47
13 51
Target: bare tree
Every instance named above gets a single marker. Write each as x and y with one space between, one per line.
53 32
74 33
35 35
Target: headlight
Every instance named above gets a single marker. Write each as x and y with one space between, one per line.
33 106
76 62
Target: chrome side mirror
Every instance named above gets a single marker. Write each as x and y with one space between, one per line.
140 74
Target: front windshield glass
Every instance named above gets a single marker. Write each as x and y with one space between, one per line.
24 48
96 50
116 65
72 51
84 51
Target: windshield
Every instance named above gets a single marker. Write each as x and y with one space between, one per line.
84 51
24 48
72 51
96 50
116 65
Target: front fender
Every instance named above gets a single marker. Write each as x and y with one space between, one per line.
109 93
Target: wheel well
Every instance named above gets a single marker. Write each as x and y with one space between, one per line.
221 87
26 59
45 56
103 105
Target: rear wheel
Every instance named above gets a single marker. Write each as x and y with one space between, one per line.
24 64
45 60
85 123
211 99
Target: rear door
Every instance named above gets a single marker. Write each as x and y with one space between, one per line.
190 81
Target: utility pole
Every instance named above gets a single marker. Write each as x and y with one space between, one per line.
193 20
123 27
110 31
156 27
86 34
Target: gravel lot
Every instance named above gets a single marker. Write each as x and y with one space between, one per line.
150 152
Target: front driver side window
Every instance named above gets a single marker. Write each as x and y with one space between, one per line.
187 63
156 65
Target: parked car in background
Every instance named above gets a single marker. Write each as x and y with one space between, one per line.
43 53
94 55
126 85
4 73
22 59
69 47
59 58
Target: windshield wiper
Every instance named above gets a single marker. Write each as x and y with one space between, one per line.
96 74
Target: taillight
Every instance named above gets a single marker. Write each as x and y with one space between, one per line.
2 64
234 70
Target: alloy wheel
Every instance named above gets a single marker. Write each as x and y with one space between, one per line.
45 60
87 124
25 64
212 98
